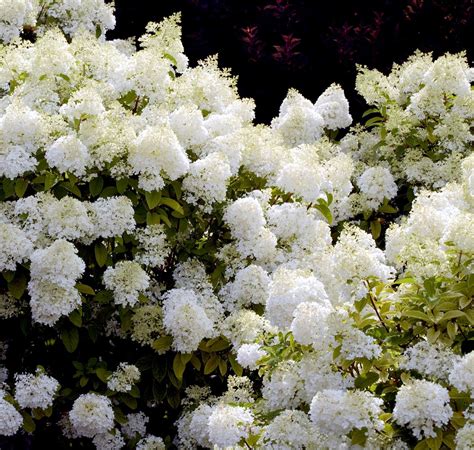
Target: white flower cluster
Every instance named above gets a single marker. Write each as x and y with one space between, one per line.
127 279
462 373
54 272
123 378
35 390
92 415
422 406
11 419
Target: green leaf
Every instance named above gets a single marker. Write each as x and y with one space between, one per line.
211 364
49 181
325 211
21 186
452 315
364 381
102 374
388 209
76 318
178 366
416 315
171 58
153 198
85 289
122 185
173 204
17 287
162 344
359 437
375 228
152 218
100 253
28 423
96 185
222 366
159 368
70 338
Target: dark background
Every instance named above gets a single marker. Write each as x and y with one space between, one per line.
307 44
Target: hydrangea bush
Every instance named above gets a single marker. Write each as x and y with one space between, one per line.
174 275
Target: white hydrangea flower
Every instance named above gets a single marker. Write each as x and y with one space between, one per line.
422 406
108 441
136 425
377 183
54 272
310 324
35 390
207 180
68 219
15 14
434 360
287 290
229 424
243 326
112 216
151 442
15 246
12 420
155 151
127 279
57 264
462 373
299 122
147 324
186 320
123 378
249 354
250 286
283 387
333 106
465 437
153 247
291 429
92 414
187 123
245 218
68 154
338 412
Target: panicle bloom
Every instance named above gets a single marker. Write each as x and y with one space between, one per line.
123 378
249 354
291 429
156 151
462 373
108 441
465 437
339 412
422 406
153 247
35 390
68 154
112 216
15 247
136 425
186 320
377 183
229 424
11 418
127 279
92 414
147 324
333 106
433 360
151 442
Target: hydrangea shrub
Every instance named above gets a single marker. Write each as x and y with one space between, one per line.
174 275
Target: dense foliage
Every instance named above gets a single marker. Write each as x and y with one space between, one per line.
174 275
